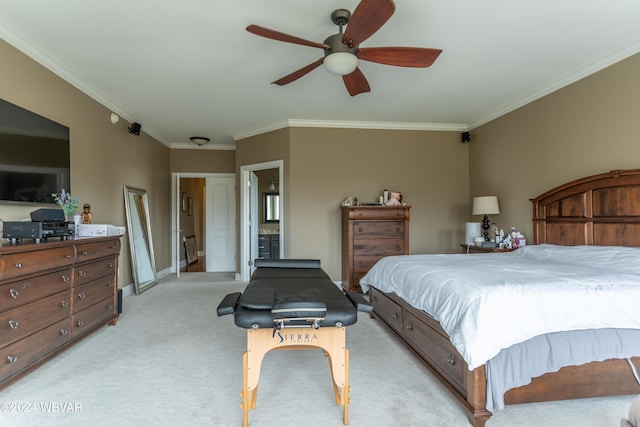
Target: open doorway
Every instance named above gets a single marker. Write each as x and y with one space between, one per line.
258 182
205 214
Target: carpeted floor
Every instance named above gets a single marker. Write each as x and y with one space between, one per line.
170 361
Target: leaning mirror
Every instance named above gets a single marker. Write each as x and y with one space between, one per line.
143 266
271 207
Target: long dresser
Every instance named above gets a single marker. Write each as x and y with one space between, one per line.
51 294
368 234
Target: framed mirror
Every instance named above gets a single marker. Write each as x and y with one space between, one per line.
271 207
143 266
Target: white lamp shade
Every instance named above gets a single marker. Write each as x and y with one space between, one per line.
485 205
341 63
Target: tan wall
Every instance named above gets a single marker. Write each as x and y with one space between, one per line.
267 147
327 165
203 161
324 166
584 129
104 157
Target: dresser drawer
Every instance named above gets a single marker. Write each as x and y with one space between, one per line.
20 264
92 316
21 354
33 288
25 320
88 272
92 292
381 212
387 310
436 348
378 247
363 263
89 251
378 228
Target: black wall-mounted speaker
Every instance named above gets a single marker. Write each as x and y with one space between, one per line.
466 136
135 128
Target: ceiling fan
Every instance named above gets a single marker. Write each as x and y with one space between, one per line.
342 50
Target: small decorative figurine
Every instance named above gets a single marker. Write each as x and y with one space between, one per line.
395 199
87 216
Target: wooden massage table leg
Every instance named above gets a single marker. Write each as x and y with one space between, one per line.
330 339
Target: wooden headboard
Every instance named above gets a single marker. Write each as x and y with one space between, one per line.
602 210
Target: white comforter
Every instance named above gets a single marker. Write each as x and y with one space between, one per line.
487 302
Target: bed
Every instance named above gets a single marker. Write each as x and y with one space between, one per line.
582 355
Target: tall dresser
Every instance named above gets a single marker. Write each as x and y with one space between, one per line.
368 234
51 294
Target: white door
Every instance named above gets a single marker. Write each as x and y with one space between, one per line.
220 229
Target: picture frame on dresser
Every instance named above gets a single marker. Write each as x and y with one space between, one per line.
143 267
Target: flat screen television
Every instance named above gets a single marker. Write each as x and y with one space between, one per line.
34 156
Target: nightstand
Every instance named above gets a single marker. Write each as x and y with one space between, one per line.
473 249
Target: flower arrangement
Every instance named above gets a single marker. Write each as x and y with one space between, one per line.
67 203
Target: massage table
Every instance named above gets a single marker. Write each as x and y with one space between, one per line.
293 304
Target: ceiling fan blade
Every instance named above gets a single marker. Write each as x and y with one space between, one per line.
299 73
356 83
417 57
277 35
366 19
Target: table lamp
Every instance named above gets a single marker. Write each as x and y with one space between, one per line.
485 205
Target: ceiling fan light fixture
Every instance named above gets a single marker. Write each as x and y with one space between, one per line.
199 140
341 63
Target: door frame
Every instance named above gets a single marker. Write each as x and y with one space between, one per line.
245 218
176 200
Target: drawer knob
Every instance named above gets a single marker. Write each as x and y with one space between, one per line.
360 230
68 256
110 284
80 323
13 359
19 265
82 295
64 332
82 273
395 316
114 247
451 360
64 304
374 299
85 252
111 265
409 326
14 294
65 279
13 324
110 306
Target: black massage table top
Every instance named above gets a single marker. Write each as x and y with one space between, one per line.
298 283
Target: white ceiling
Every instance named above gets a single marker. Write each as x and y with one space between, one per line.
189 67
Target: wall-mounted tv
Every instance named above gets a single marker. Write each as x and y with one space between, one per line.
34 156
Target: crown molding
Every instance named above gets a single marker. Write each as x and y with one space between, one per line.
592 68
338 124
43 59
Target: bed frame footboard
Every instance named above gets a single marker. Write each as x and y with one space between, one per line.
428 341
